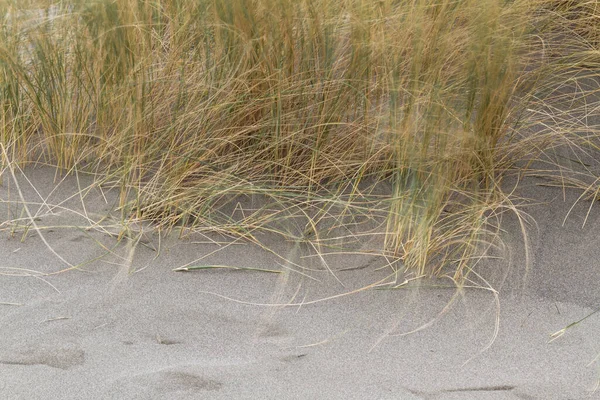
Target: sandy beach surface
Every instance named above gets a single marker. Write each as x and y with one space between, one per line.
85 316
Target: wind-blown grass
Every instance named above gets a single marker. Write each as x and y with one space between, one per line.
304 106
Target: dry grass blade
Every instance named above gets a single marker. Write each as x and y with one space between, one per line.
229 267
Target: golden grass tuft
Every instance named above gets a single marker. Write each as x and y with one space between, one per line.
188 106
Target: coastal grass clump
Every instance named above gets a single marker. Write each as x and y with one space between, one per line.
304 110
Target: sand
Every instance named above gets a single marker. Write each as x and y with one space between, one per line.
126 326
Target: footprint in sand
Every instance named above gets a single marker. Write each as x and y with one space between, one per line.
54 357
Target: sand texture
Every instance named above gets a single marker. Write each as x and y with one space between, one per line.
124 325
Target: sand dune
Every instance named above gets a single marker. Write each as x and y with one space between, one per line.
126 326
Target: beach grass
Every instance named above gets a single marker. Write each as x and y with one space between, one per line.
289 117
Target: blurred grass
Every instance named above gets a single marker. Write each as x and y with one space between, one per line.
304 107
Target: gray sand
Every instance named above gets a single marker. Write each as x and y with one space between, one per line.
125 326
